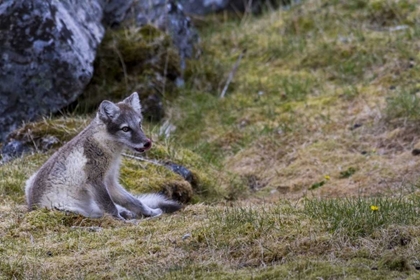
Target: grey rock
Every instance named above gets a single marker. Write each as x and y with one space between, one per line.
166 15
170 17
181 170
25 143
203 7
14 149
47 142
115 11
185 236
47 49
182 32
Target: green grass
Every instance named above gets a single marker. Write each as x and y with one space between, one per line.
362 216
265 241
404 104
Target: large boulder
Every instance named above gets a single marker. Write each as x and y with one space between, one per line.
47 50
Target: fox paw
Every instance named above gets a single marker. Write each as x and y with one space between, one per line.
127 215
155 212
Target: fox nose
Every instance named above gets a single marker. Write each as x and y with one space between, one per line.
148 144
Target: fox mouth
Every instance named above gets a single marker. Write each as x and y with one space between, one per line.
146 147
140 150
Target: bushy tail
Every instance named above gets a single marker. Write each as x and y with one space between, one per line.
155 200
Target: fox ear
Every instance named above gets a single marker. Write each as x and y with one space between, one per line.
134 101
108 111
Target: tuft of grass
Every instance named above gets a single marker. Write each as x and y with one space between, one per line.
316 185
396 262
404 104
347 173
14 175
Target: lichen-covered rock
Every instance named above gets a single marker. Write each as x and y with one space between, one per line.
47 49
170 17
183 34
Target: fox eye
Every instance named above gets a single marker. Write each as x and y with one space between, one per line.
125 129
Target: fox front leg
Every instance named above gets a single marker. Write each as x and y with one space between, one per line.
104 201
122 197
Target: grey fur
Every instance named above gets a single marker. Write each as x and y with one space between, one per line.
82 176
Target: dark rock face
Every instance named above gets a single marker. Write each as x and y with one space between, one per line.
47 49
152 108
115 11
183 34
203 7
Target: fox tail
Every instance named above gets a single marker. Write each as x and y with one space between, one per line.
155 200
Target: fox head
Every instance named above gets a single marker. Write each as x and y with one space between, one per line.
123 122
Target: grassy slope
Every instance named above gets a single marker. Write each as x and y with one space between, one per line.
324 104
308 77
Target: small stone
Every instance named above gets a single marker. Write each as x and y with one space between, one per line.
415 152
187 235
355 126
48 142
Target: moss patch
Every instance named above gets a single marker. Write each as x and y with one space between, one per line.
133 59
50 133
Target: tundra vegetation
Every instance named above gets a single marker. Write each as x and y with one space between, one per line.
304 170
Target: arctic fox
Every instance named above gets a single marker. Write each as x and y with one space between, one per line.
82 176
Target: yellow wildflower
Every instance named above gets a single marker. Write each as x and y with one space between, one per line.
327 177
374 208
